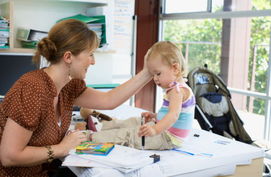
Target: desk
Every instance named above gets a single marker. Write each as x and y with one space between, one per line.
255 169
215 156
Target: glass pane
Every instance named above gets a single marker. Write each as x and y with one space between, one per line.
203 41
172 6
183 6
221 5
259 54
261 4
200 41
217 5
253 120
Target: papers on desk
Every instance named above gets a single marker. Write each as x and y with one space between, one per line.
122 158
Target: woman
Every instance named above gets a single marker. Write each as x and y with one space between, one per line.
36 112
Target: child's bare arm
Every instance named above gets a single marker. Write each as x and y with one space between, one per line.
175 100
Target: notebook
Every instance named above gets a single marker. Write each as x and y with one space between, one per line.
89 147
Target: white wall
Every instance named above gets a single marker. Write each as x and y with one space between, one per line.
114 67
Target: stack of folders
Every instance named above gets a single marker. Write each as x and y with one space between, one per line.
95 23
97 28
4 33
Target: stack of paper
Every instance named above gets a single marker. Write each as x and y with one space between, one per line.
95 23
30 37
4 33
122 158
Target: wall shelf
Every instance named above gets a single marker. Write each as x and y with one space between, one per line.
39 15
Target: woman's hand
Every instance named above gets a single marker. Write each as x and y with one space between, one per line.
145 68
149 116
71 140
146 130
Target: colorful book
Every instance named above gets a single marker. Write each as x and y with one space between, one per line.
89 147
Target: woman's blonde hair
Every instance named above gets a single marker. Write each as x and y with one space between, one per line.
170 54
67 35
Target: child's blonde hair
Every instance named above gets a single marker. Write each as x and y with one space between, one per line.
170 54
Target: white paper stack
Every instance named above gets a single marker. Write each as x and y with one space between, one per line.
122 158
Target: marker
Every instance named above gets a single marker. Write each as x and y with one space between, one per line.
143 137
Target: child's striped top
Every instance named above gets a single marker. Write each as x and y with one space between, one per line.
181 128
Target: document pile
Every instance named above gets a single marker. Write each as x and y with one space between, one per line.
122 158
30 37
95 23
4 33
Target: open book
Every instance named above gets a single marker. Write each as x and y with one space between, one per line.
89 147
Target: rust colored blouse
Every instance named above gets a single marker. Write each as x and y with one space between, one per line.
30 104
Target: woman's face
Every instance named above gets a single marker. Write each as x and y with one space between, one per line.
80 64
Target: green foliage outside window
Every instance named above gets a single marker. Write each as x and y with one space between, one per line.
202 39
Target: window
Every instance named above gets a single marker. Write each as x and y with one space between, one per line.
199 40
191 6
238 33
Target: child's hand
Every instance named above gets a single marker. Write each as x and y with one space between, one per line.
149 116
146 130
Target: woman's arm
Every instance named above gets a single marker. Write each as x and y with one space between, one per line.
95 99
15 152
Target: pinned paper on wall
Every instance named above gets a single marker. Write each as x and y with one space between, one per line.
123 25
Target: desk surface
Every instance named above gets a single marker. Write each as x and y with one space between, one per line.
255 169
214 156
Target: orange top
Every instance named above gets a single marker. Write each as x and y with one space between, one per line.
30 104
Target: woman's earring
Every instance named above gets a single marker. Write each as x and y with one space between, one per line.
69 71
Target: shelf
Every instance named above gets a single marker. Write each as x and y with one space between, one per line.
25 51
17 51
46 13
95 3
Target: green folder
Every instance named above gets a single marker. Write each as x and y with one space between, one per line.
83 18
99 19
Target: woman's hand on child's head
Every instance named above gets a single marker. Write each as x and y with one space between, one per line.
146 130
72 139
146 58
149 116
145 68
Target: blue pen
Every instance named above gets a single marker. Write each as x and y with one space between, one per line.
185 152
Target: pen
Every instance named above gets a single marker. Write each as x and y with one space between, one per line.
143 137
